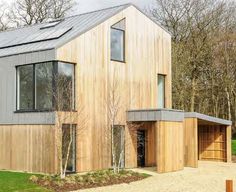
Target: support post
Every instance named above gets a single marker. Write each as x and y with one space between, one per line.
229 186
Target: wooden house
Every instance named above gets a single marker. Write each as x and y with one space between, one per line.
119 45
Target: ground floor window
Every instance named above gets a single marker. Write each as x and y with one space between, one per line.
119 145
69 147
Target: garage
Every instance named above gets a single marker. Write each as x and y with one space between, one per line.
212 143
206 138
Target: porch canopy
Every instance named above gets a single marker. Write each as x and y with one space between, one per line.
151 115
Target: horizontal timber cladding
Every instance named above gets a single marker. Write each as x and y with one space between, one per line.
212 143
148 53
190 142
28 148
169 146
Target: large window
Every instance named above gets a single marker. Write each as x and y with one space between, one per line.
44 86
161 91
118 41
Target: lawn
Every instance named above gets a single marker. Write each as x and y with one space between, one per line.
18 182
234 147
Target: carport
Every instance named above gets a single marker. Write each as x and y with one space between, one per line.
206 138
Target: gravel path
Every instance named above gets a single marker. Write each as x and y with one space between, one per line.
209 177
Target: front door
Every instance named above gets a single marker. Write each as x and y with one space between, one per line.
141 148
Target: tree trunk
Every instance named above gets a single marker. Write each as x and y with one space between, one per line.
228 104
193 95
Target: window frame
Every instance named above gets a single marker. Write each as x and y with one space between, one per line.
124 47
164 91
54 71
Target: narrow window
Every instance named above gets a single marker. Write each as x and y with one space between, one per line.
119 145
69 147
25 79
118 41
161 91
65 87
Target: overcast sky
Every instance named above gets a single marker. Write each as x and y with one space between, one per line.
91 5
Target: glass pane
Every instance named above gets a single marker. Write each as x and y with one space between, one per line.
43 73
117 45
69 147
161 91
65 86
25 87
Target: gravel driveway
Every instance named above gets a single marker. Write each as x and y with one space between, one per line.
209 177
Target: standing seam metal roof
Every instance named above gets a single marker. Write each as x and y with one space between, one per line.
79 23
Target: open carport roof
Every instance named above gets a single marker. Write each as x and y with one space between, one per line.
206 118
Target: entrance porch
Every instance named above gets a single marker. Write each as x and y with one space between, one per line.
171 139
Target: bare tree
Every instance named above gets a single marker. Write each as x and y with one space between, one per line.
3 18
116 104
64 105
29 12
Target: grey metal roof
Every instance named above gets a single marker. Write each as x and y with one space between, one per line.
25 39
207 118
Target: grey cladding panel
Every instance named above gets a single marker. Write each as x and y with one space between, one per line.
8 89
155 115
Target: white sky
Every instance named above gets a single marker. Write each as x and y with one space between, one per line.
91 5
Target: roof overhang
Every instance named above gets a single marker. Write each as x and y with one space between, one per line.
207 119
152 115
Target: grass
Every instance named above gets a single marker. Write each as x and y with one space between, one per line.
18 182
234 147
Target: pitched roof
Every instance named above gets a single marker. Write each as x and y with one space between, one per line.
51 35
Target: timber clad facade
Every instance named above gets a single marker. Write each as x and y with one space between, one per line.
119 44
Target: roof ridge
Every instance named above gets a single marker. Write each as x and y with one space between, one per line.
26 26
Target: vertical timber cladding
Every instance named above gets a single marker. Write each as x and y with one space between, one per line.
212 142
148 53
131 144
190 142
169 146
28 148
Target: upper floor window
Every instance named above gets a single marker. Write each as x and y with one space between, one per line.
45 86
118 41
161 91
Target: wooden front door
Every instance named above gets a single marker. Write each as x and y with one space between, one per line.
212 143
